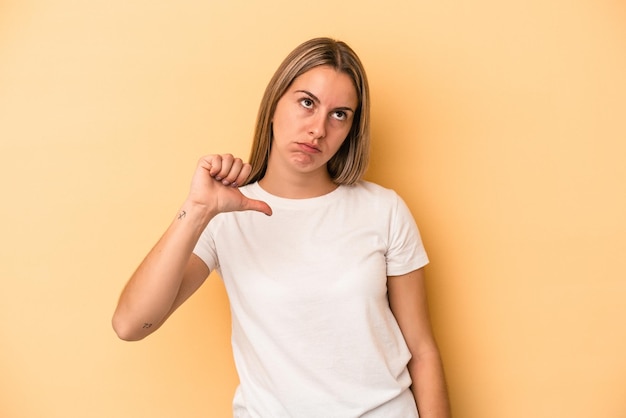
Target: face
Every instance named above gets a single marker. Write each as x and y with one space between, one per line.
311 121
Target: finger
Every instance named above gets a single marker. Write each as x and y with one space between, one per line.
244 173
233 174
258 205
207 162
213 163
227 163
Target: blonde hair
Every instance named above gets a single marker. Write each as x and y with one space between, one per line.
350 162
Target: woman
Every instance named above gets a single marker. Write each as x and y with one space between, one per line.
324 271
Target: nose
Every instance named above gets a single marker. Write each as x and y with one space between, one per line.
317 127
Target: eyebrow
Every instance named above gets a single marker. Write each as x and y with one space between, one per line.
316 100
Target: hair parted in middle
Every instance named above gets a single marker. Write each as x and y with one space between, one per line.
350 162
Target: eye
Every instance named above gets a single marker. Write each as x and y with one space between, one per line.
306 103
340 115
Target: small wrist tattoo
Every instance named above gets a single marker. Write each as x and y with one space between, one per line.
182 214
147 325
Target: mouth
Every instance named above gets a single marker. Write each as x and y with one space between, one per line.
308 147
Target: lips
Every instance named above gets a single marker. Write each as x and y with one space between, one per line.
308 147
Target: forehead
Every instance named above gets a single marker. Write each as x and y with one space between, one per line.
326 83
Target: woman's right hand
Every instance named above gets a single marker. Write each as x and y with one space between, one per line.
215 185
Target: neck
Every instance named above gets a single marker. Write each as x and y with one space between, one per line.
300 186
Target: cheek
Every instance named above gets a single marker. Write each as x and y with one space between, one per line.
277 127
342 133
339 141
282 122
282 131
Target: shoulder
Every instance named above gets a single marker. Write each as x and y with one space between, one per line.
382 200
372 192
370 188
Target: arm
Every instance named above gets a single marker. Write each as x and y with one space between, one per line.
164 280
170 273
407 299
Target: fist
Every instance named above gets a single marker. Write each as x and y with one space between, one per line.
215 183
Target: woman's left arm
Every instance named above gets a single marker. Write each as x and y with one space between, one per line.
407 299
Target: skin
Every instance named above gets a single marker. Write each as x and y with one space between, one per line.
311 121
407 299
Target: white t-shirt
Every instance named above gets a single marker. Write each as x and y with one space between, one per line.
312 332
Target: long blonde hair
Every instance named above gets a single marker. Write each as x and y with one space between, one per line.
350 162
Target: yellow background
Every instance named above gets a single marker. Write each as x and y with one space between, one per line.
501 123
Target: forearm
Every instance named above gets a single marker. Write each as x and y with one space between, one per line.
149 295
429 386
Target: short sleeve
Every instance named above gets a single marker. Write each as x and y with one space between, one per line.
405 251
205 249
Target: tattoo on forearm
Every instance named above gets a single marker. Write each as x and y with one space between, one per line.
182 214
147 325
